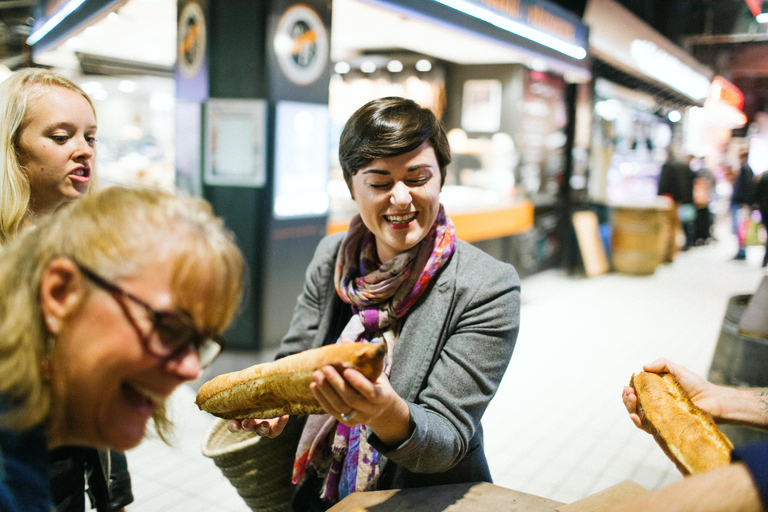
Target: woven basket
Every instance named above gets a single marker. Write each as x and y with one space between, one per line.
258 467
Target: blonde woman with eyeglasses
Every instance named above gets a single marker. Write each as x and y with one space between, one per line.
109 304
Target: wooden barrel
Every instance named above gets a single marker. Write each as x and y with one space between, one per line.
742 361
638 238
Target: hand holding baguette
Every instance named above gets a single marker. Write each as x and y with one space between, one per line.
702 393
269 390
687 434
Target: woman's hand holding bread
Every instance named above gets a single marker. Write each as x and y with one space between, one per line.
375 404
272 427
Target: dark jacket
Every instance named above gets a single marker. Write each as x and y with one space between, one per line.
761 196
676 181
743 187
109 483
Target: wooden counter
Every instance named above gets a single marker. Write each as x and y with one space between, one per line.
471 497
482 497
476 225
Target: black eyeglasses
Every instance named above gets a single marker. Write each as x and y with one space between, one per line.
176 331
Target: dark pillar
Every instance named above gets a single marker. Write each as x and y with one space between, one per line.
273 56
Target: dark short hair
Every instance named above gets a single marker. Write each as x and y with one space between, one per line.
388 127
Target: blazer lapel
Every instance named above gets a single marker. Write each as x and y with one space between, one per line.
423 333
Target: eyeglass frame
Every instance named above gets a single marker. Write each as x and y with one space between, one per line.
198 341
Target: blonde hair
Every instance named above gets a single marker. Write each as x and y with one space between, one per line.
15 95
114 232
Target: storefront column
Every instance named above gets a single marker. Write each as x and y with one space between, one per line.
252 94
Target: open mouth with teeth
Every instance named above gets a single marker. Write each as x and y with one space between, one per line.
142 399
81 174
401 221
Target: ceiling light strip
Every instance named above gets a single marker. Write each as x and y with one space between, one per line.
504 23
54 20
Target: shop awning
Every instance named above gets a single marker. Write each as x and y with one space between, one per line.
539 28
625 42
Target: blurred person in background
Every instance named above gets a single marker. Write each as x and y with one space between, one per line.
741 486
704 184
47 158
761 200
676 182
741 201
108 305
447 312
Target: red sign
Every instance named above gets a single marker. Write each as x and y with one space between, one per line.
724 91
756 6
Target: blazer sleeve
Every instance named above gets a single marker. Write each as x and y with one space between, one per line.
310 310
479 336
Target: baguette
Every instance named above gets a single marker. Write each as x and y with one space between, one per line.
687 434
269 390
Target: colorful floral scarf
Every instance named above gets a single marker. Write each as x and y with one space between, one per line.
380 296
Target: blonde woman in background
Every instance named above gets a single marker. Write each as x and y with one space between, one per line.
109 304
47 146
47 158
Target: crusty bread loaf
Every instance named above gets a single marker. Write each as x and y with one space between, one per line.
687 434
269 390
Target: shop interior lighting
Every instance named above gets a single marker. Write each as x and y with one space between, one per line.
368 66
94 31
423 65
75 43
763 16
674 116
342 68
504 23
127 86
394 66
537 65
54 20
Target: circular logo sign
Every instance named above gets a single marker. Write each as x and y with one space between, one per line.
301 44
192 37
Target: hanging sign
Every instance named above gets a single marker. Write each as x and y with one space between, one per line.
301 45
191 39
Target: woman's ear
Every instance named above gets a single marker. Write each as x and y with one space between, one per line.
61 289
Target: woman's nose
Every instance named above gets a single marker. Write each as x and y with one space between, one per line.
185 366
84 149
401 195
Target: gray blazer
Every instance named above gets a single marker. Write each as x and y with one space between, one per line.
453 349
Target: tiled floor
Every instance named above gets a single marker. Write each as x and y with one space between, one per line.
557 427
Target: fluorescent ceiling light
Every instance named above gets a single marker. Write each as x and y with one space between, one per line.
53 21
394 66
423 65
342 68
667 69
484 14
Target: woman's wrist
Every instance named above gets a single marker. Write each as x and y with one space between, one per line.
392 426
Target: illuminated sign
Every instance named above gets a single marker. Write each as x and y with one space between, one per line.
536 21
724 91
668 69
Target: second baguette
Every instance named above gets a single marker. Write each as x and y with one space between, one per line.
687 434
269 390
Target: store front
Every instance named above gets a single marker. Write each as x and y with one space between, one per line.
643 86
240 94
129 78
501 97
